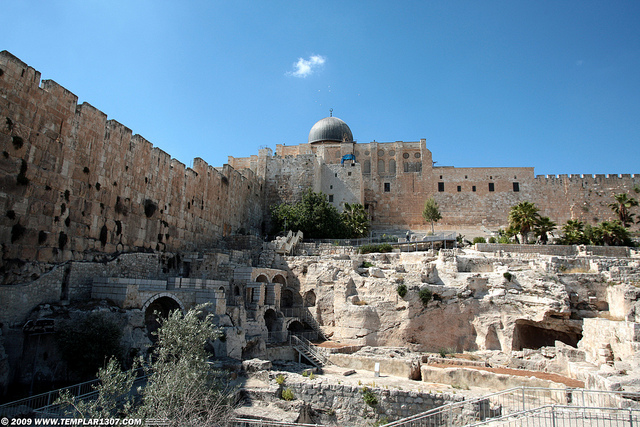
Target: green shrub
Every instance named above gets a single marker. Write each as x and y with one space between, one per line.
88 342
493 240
367 264
425 296
280 379
369 398
382 247
402 290
508 275
479 240
287 394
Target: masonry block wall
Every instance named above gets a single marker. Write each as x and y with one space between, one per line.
73 183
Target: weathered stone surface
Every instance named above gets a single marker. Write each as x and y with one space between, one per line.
254 365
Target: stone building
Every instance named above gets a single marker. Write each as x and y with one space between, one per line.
393 179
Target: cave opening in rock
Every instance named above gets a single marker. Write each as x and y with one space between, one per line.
533 335
160 308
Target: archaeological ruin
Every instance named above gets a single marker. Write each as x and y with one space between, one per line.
94 218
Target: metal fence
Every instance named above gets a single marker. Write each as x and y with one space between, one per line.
567 416
514 401
29 404
241 422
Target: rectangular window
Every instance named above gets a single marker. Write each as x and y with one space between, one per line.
491 187
473 188
349 173
330 198
441 187
459 188
516 187
387 187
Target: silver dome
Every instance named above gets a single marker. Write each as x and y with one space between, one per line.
330 129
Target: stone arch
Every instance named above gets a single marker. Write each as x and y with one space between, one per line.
310 299
236 291
223 290
159 305
296 326
392 167
279 278
286 298
381 166
262 278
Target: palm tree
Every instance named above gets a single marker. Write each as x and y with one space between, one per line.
613 233
543 226
523 218
621 208
573 232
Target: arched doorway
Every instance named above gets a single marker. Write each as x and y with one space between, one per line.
310 299
270 319
279 278
158 308
262 279
286 299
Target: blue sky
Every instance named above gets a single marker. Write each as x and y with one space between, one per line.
549 84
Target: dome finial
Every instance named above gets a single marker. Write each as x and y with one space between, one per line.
330 112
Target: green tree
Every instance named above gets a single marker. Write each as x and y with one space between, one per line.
431 211
181 386
313 215
542 227
87 342
523 218
612 233
621 207
573 233
356 220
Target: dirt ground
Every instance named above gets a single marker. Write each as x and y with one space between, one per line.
569 382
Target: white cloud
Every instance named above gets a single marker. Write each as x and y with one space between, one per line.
304 67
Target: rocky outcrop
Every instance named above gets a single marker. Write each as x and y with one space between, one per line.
478 301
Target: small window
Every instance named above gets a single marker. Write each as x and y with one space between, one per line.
491 187
330 198
465 177
440 176
331 187
516 187
387 187
473 188
336 175
459 188
349 173
441 187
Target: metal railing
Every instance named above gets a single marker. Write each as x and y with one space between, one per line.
42 400
513 401
45 403
245 422
392 240
573 416
304 345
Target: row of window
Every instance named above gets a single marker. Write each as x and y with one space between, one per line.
516 187
387 188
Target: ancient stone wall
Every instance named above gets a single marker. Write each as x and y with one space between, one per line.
73 182
72 281
581 197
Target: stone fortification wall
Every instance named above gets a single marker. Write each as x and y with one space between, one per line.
557 250
73 182
582 197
